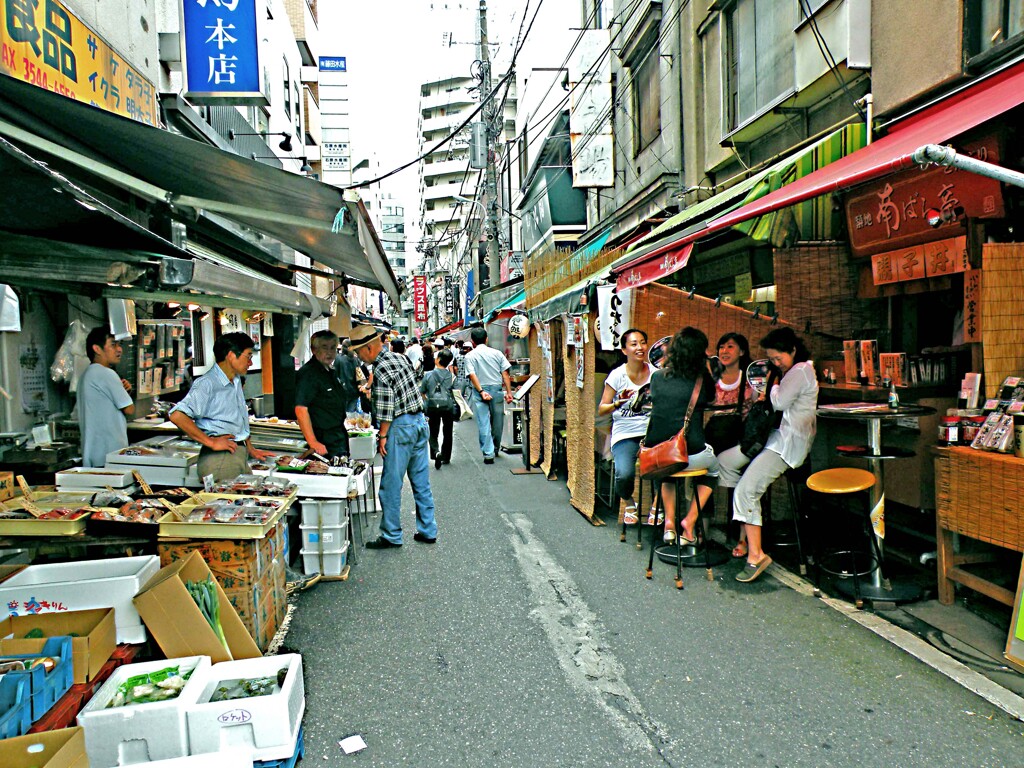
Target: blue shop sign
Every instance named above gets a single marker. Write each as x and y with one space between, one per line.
333 64
220 50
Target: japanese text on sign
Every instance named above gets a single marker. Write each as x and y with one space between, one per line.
972 305
32 606
936 259
419 297
221 48
44 44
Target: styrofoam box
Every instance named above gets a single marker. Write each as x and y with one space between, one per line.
86 584
228 758
324 537
362 447
141 732
334 562
94 477
315 486
357 483
325 512
269 725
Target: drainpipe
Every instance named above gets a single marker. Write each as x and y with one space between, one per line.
933 153
867 102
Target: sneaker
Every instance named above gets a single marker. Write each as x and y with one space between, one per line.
488 459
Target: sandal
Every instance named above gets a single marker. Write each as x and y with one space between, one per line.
740 550
654 517
752 570
630 516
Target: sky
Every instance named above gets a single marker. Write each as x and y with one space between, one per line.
392 47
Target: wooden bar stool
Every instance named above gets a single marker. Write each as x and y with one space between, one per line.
844 481
679 479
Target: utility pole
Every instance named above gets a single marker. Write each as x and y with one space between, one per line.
485 263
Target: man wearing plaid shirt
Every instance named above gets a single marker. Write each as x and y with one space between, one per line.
403 439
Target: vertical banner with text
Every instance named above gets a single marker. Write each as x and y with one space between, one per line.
220 52
419 298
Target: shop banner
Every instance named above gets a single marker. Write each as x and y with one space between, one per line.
449 296
220 52
972 306
612 316
935 259
419 298
895 212
655 269
46 45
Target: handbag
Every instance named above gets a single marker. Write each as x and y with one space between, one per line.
670 456
724 430
760 421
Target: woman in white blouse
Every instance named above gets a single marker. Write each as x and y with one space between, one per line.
796 396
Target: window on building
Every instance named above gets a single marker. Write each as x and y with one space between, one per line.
287 91
993 27
759 59
298 112
646 76
524 166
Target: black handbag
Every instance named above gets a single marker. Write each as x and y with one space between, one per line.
760 421
724 430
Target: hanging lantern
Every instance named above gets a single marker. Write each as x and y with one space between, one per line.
519 326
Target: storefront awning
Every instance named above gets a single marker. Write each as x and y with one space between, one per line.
944 120
663 242
655 269
183 174
513 302
61 238
568 302
445 329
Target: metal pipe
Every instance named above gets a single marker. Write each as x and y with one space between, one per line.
869 117
933 153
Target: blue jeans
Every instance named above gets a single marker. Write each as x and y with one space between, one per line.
407 454
490 419
624 454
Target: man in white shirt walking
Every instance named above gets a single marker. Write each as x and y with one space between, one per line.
487 369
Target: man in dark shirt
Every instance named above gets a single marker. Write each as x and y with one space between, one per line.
403 440
322 397
348 364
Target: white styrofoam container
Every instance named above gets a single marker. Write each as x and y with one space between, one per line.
228 758
362 447
315 486
324 537
333 562
268 725
85 584
325 512
94 477
358 482
141 732
161 458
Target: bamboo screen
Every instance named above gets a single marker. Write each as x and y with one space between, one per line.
579 424
1002 322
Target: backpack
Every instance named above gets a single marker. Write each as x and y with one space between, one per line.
439 397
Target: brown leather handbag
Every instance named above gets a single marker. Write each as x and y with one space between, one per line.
670 456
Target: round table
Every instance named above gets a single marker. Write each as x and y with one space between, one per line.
873 414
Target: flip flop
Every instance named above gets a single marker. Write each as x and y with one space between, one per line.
752 570
740 550
630 517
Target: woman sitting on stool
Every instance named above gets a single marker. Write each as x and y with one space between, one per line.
671 389
628 423
796 396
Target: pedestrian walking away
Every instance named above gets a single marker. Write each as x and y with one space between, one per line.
487 369
214 414
442 409
403 440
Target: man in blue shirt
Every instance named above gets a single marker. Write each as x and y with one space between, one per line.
214 414
103 400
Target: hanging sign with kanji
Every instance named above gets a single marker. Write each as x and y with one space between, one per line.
221 52
972 306
935 259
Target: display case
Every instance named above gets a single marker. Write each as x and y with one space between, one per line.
161 357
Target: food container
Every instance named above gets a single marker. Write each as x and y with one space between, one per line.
1018 436
949 430
970 426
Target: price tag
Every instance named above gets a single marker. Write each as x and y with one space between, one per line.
26 489
32 509
143 485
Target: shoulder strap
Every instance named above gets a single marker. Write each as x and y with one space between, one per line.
743 389
693 401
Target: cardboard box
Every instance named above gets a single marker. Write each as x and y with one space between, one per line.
62 587
142 732
51 749
177 624
6 485
92 643
268 725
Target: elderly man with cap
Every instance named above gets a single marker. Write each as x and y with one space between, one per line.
403 436
322 397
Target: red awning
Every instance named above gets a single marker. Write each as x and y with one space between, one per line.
949 118
443 330
650 270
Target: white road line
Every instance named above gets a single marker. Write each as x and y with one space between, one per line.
576 636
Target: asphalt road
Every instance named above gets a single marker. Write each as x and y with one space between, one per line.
527 637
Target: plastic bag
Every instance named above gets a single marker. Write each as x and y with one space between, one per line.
63 368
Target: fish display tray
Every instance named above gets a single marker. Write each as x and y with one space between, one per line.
173 525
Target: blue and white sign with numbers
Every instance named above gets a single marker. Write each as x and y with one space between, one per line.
220 52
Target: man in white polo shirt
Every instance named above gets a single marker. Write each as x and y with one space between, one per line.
488 369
